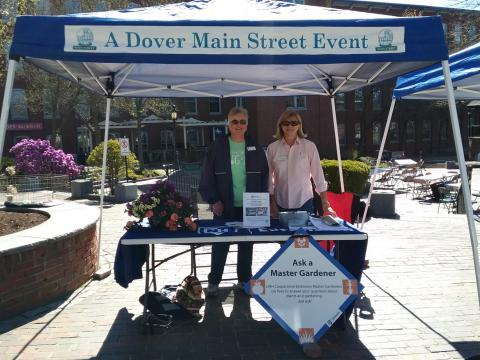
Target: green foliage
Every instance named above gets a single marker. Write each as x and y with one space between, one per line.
7 161
355 175
371 161
115 162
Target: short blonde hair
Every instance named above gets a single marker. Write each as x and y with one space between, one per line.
287 114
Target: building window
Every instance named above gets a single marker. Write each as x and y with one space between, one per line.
18 106
358 133
377 98
297 102
410 131
73 6
426 129
43 7
193 139
457 33
214 105
82 107
240 101
342 137
47 106
377 133
190 105
300 2
443 130
84 140
473 124
471 31
359 99
340 101
394 132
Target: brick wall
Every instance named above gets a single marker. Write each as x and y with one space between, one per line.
43 273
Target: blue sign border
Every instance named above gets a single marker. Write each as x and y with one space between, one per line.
270 262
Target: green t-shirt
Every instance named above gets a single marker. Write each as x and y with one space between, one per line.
239 174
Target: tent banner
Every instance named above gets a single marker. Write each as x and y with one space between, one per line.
221 40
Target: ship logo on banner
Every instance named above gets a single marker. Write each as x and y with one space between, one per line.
304 288
385 40
85 40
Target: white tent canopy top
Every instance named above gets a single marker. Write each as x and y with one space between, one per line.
277 49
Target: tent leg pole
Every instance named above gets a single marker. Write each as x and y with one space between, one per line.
337 144
463 171
379 158
6 105
102 184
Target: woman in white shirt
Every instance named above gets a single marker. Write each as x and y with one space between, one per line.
293 161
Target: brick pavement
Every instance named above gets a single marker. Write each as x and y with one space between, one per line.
420 283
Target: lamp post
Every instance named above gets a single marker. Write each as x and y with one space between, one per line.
174 120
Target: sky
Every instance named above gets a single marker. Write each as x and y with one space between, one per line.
440 3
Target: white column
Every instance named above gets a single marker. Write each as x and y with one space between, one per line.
463 171
379 158
104 168
7 94
337 144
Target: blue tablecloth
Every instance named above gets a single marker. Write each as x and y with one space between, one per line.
129 259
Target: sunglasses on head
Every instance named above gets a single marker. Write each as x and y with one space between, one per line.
236 122
291 123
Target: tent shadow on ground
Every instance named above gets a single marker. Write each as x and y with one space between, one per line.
220 335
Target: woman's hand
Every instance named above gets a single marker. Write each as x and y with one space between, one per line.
217 208
327 210
273 208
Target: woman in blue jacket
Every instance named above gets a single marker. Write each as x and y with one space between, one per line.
235 164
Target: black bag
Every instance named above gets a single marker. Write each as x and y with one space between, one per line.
159 305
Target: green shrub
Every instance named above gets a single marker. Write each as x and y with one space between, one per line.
7 161
115 162
355 175
371 161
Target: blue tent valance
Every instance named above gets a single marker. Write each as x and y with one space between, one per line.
259 48
429 83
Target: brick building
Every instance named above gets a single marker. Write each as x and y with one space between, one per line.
418 128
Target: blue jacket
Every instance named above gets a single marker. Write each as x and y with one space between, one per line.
216 180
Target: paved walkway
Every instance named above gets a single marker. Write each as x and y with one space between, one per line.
420 283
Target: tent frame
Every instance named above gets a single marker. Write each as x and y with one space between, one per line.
461 164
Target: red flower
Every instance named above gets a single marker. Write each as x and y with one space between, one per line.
188 220
194 226
174 217
148 214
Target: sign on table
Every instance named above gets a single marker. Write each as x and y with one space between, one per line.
124 146
256 210
304 288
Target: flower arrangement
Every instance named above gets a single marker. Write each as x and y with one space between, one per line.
163 207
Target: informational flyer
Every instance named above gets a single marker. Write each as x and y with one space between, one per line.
304 289
256 210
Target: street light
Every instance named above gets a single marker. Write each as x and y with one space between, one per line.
173 116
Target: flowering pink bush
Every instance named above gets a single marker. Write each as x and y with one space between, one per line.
39 157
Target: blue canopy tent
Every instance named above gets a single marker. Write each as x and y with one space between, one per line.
222 48
435 83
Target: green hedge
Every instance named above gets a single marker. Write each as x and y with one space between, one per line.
355 175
